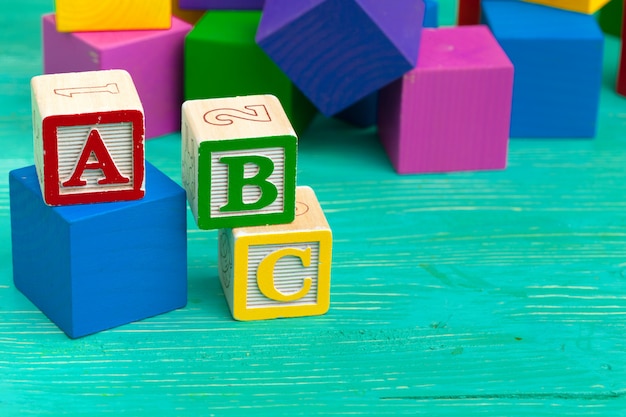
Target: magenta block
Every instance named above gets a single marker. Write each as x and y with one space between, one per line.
154 59
452 111
221 4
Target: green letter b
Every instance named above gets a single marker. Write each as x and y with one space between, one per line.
237 181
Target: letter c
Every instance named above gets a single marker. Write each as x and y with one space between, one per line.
265 274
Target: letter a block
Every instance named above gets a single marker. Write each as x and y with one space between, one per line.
280 270
239 161
88 131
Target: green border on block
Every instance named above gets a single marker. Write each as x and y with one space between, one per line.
206 222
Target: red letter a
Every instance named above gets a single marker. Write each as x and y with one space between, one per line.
103 162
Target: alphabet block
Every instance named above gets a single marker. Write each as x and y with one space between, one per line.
88 134
154 58
580 6
104 15
452 112
227 37
97 266
557 57
222 4
281 270
239 161
336 62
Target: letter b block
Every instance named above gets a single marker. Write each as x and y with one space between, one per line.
88 134
280 270
239 161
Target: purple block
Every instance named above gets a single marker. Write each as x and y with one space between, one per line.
221 4
339 51
453 111
154 59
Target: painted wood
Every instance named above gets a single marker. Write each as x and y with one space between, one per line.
154 58
228 37
88 135
276 271
493 293
93 267
238 161
621 69
580 6
469 12
558 58
222 4
336 62
106 15
452 112
610 17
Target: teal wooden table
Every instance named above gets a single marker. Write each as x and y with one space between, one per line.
490 293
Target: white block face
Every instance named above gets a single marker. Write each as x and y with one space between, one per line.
289 275
118 141
226 264
189 161
250 193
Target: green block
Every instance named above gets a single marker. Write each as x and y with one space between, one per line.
239 162
610 17
222 59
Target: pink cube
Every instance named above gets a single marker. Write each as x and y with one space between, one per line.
453 111
154 59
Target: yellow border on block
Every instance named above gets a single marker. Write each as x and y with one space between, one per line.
580 6
240 290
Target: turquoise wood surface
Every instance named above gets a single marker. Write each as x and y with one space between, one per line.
471 294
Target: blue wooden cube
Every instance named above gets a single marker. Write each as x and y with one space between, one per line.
96 266
339 51
557 55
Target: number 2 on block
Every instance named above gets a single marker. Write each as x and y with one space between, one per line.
227 116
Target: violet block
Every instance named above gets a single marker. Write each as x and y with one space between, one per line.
339 51
452 112
221 4
154 59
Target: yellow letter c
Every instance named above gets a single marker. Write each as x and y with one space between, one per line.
265 274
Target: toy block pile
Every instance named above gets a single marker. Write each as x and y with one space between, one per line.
98 235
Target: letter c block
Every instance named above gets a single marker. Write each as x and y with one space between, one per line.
88 135
238 161
277 271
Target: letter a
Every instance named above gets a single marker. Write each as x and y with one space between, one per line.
95 145
237 180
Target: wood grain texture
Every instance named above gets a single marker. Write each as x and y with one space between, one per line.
470 294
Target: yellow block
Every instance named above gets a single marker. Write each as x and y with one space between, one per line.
276 271
109 15
581 6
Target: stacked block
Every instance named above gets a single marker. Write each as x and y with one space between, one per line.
338 52
98 235
452 112
581 6
88 132
105 15
227 38
278 271
239 161
222 4
557 56
154 58
97 266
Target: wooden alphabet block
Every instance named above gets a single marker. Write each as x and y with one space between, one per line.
222 4
281 270
105 15
239 161
227 37
93 267
154 58
337 61
580 6
557 55
452 112
88 135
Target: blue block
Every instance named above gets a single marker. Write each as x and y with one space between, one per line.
557 57
431 14
96 266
